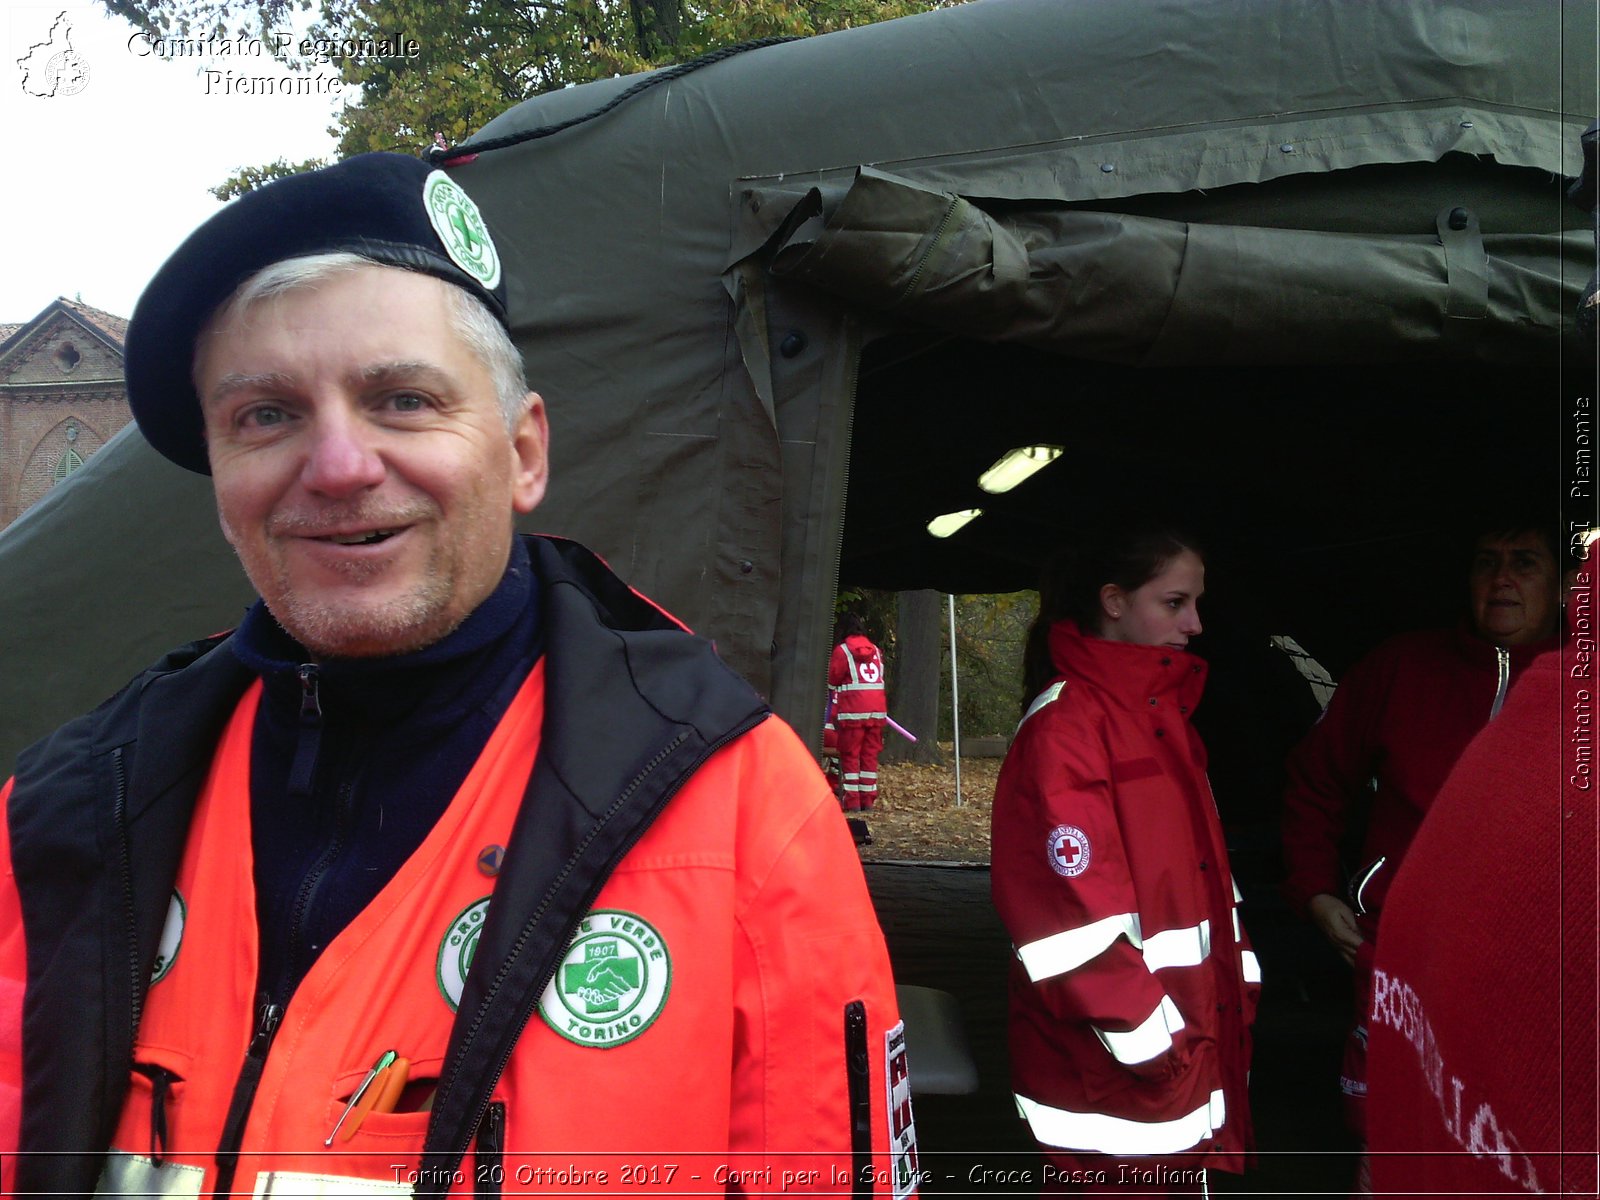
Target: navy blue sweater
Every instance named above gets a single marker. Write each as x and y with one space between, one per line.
354 760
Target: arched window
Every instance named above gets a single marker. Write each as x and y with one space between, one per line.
69 462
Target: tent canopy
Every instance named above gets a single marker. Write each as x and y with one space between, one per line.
1301 273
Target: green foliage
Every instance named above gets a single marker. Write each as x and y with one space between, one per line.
990 634
479 57
247 179
877 611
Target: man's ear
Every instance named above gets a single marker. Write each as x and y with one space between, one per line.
530 448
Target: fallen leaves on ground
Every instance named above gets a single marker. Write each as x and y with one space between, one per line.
916 816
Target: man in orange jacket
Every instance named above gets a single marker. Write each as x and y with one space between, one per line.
459 866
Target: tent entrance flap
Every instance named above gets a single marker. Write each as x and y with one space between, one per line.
1148 291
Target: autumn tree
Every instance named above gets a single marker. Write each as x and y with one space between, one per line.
479 57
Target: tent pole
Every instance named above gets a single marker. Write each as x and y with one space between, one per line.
955 698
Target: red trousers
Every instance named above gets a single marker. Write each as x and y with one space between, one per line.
860 743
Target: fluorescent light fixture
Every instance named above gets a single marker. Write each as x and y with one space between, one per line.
1016 465
943 527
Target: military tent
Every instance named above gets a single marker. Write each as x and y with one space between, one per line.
1301 271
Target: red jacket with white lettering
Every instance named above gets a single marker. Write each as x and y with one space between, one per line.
1481 1037
855 673
1134 986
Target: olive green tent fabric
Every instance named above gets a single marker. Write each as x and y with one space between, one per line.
1146 291
697 274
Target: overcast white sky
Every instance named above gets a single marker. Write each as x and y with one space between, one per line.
100 185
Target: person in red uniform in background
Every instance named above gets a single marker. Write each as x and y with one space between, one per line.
1393 731
1134 986
860 711
1483 1040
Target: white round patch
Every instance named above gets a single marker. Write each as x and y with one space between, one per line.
1069 850
171 938
612 983
456 949
461 228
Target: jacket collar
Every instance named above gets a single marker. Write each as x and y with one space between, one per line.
1483 653
1129 674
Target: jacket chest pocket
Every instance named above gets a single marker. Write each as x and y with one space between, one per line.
155 1120
156 1115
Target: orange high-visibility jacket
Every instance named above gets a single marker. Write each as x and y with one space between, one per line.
1134 985
647 996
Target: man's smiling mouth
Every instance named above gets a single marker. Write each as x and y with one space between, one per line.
370 538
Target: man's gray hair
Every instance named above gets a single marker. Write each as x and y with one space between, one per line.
474 324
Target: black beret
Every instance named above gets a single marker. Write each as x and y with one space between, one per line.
391 208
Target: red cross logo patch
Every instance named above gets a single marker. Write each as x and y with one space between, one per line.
1069 850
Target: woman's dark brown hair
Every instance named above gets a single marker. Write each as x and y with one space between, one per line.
1070 587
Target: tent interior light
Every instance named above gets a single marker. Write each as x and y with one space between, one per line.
1016 465
944 526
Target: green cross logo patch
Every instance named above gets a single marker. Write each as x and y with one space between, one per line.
460 227
612 983
456 949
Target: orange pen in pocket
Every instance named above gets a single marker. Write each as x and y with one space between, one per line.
381 1097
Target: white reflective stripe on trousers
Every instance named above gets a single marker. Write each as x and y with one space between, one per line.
1187 947
1151 1038
1104 1134
1070 949
861 716
135 1175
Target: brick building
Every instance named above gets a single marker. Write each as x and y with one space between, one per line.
61 398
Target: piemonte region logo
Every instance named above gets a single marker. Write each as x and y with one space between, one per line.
53 67
612 983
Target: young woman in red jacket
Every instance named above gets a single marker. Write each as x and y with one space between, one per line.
1133 986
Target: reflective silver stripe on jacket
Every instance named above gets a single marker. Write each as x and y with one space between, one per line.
1071 948
303 1184
1187 947
1119 1135
1039 701
1151 1038
134 1175
1503 668
855 674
